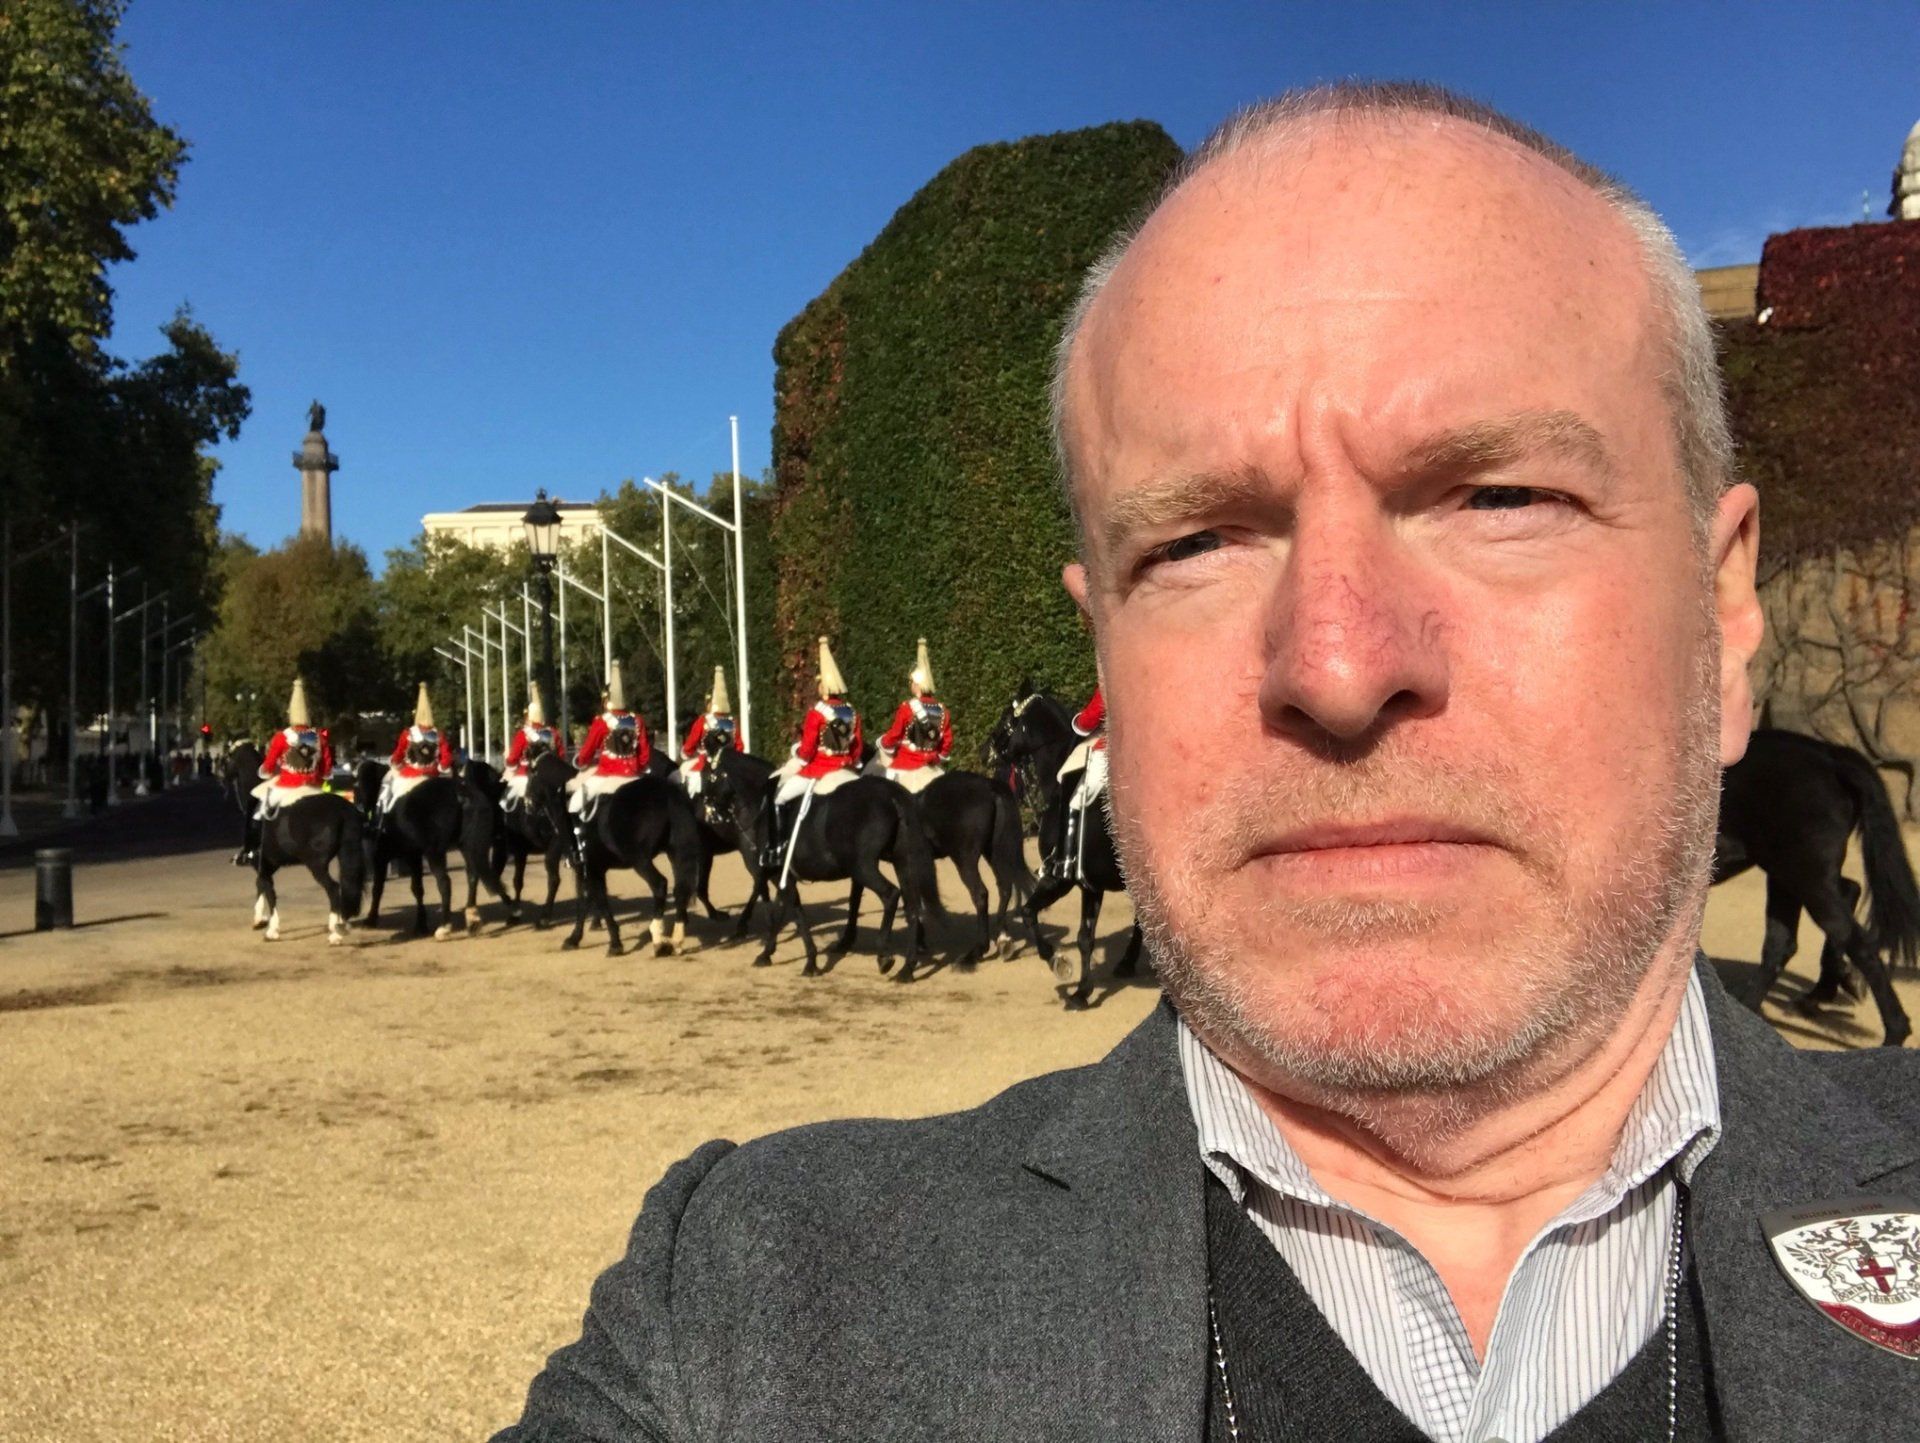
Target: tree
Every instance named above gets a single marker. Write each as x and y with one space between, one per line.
309 609
85 437
81 159
429 591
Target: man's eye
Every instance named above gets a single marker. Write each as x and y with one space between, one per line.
1506 498
1180 548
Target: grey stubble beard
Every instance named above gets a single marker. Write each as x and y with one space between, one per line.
1575 980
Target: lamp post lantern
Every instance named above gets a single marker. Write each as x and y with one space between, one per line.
543 531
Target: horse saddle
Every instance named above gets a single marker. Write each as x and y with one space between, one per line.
833 781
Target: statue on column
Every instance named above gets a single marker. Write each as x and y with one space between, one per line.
316 417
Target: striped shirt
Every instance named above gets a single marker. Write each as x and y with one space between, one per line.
1588 1293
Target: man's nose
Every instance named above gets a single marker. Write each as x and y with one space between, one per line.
1354 637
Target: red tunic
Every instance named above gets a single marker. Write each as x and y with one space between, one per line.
1092 718
698 730
593 752
816 760
906 758
442 763
277 750
516 757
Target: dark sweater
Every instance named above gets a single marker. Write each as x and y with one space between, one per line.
1293 1379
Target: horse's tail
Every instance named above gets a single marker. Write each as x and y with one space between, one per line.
1007 850
481 848
1893 900
353 861
913 858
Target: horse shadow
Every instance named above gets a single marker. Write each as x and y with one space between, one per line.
1794 1017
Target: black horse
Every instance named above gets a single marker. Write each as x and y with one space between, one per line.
1034 736
239 775
1788 807
845 835
420 829
645 818
311 833
509 833
969 818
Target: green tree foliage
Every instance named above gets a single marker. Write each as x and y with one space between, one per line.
84 436
308 609
916 489
81 159
430 590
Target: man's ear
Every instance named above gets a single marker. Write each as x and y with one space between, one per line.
1074 577
1735 540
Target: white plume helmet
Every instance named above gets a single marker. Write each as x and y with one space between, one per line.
720 702
297 714
423 710
616 693
831 682
536 711
921 677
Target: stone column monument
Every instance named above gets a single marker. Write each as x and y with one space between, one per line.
316 465
1906 180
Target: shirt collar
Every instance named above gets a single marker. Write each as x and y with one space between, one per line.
1675 1119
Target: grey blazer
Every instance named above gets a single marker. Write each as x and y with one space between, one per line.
1035 1269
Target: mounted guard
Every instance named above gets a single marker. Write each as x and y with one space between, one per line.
534 739
616 748
299 759
712 732
1084 774
421 751
921 737
826 757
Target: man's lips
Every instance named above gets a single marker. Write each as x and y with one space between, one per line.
1395 853
1389 832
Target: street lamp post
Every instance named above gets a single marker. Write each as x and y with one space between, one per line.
543 529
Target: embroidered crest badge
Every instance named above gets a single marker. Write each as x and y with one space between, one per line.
1858 1261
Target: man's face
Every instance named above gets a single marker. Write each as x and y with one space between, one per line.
1413 664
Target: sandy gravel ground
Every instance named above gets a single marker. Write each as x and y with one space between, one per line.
293 1192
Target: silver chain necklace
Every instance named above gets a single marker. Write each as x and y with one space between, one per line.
1674 1254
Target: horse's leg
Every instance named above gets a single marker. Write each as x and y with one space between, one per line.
552 861
1780 942
867 870
603 905
1090 900
262 896
1834 974
813 968
776 914
519 881
336 925
656 884
851 932
969 869
714 914
757 895
441 879
1832 916
1130 959
272 899
582 896
376 884
1043 896
416 877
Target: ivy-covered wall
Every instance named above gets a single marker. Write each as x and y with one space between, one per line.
915 487
1824 394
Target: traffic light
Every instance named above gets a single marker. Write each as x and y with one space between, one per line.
206 732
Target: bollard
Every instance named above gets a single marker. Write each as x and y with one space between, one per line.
52 888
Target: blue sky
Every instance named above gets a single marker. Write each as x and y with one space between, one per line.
514 245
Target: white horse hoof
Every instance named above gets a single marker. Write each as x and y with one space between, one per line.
442 932
334 939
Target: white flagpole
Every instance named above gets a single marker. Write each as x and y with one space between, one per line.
740 594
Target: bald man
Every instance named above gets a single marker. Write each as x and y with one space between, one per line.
1394 431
